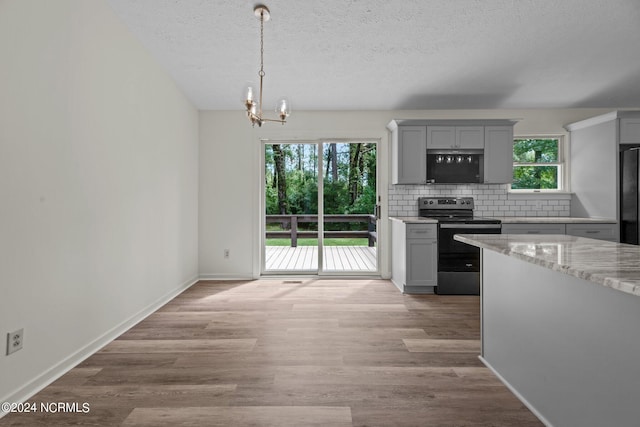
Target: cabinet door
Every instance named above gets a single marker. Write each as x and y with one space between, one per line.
531 228
441 137
594 231
498 154
470 137
412 155
630 131
462 137
422 262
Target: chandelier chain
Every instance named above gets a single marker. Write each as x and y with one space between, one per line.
262 73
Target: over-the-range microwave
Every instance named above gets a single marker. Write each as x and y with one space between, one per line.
455 166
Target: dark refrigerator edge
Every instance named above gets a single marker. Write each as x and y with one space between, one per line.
629 195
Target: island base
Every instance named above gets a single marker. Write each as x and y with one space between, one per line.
567 347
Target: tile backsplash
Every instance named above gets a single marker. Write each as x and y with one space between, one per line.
489 199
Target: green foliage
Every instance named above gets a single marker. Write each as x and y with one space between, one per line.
535 150
365 203
336 197
531 176
301 172
535 178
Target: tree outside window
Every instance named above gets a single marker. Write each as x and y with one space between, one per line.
537 164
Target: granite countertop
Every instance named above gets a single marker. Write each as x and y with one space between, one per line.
552 220
609 264
414 219
516 220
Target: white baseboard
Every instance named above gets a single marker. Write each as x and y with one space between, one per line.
34 386
521 398
226 277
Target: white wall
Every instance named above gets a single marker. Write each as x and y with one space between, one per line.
230 169
230 151
98 185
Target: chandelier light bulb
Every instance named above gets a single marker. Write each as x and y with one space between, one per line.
283 108
249 93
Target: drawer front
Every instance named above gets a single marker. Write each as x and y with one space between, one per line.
422 231
533 229
593 231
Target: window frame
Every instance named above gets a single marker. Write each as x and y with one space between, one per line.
562 164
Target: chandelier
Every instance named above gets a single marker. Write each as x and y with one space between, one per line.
254 108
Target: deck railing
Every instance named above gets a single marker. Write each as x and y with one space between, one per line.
291 222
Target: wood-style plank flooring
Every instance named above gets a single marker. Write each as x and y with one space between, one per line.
291 353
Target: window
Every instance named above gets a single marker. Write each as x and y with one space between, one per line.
538 164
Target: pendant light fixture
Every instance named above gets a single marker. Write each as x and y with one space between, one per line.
253 106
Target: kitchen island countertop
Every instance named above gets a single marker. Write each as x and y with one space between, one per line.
515 220
609 264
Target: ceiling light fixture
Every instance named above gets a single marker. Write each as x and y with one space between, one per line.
254 108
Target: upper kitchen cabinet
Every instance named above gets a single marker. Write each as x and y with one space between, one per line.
594 155
630 130
411 139
498 154
455 137
408 154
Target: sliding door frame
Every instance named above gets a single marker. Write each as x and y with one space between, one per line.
320 272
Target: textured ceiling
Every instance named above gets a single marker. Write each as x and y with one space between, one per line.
398 54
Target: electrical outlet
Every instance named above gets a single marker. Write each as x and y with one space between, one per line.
226 253
14 341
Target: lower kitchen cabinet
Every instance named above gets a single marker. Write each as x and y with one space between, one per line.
414 257
594 231
601 231
533 229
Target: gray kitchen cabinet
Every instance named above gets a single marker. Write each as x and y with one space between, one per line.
601 231
534 228
455 137
594 231
409 155
594 155
422 254
498 154
414 257
630 131
410 140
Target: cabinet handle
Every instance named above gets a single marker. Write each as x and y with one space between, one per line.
592 231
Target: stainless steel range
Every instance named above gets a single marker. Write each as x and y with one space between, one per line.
458 263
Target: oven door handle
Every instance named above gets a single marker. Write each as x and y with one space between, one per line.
476 226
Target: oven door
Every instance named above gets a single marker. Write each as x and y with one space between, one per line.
448 246
459 263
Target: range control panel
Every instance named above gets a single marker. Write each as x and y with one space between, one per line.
445 203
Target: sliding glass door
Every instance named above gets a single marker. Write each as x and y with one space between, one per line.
320 204
290 191
349 199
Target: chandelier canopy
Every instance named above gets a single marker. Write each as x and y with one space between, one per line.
253 106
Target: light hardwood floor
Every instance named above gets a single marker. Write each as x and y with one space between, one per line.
291 353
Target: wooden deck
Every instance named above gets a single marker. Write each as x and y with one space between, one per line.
336 258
